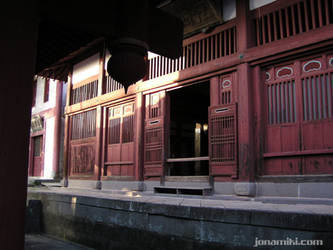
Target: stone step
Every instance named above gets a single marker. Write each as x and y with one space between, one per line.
183 190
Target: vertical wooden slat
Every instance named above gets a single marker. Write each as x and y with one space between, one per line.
323 94
327 12
293 19
207 50
286 96
320 14
194 53
225 42
268 28
199 51
313 14
287 22
216 46
306 16
263 31
299 14
235 40
282 30
211 47
314 98
258 31
221 43
275 27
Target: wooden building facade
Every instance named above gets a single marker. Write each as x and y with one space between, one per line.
249 104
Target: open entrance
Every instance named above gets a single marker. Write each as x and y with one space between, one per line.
188 155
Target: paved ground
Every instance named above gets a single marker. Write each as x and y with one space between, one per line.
302 206
45 242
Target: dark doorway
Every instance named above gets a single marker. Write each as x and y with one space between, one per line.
189 130
37 169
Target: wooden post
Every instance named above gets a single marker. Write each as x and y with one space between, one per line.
66 132
245 31
101 74
139 111
99 119
245 124
98 147
214 94
259 115
18 45
57 122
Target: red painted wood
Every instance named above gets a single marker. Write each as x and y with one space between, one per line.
223 140
139 137
120 140
154 140
245 123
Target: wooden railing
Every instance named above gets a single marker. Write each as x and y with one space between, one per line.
221 43
85 90
295 17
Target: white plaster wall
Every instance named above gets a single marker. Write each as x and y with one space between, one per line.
85 69
107 57
40 104
254 4
48 153
229 9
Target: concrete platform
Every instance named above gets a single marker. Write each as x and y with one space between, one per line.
144 220
46 242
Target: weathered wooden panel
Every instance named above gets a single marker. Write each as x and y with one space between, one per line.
282 166
318 164
113 154
82 158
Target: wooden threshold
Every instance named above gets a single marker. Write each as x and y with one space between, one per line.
202 158
201 178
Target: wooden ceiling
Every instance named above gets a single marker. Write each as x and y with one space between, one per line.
61 45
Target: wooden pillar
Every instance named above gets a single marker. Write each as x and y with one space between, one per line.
259 114
98 147
99 118
67 131
245 123
57 129
139 111
101 74
245 30
214 93
18 49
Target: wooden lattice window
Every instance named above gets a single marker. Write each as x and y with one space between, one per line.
121 124
223 140
83 125
281 95
114 131
85 90
153 105
317 87
223 136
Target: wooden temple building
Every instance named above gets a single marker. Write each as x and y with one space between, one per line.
247 109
